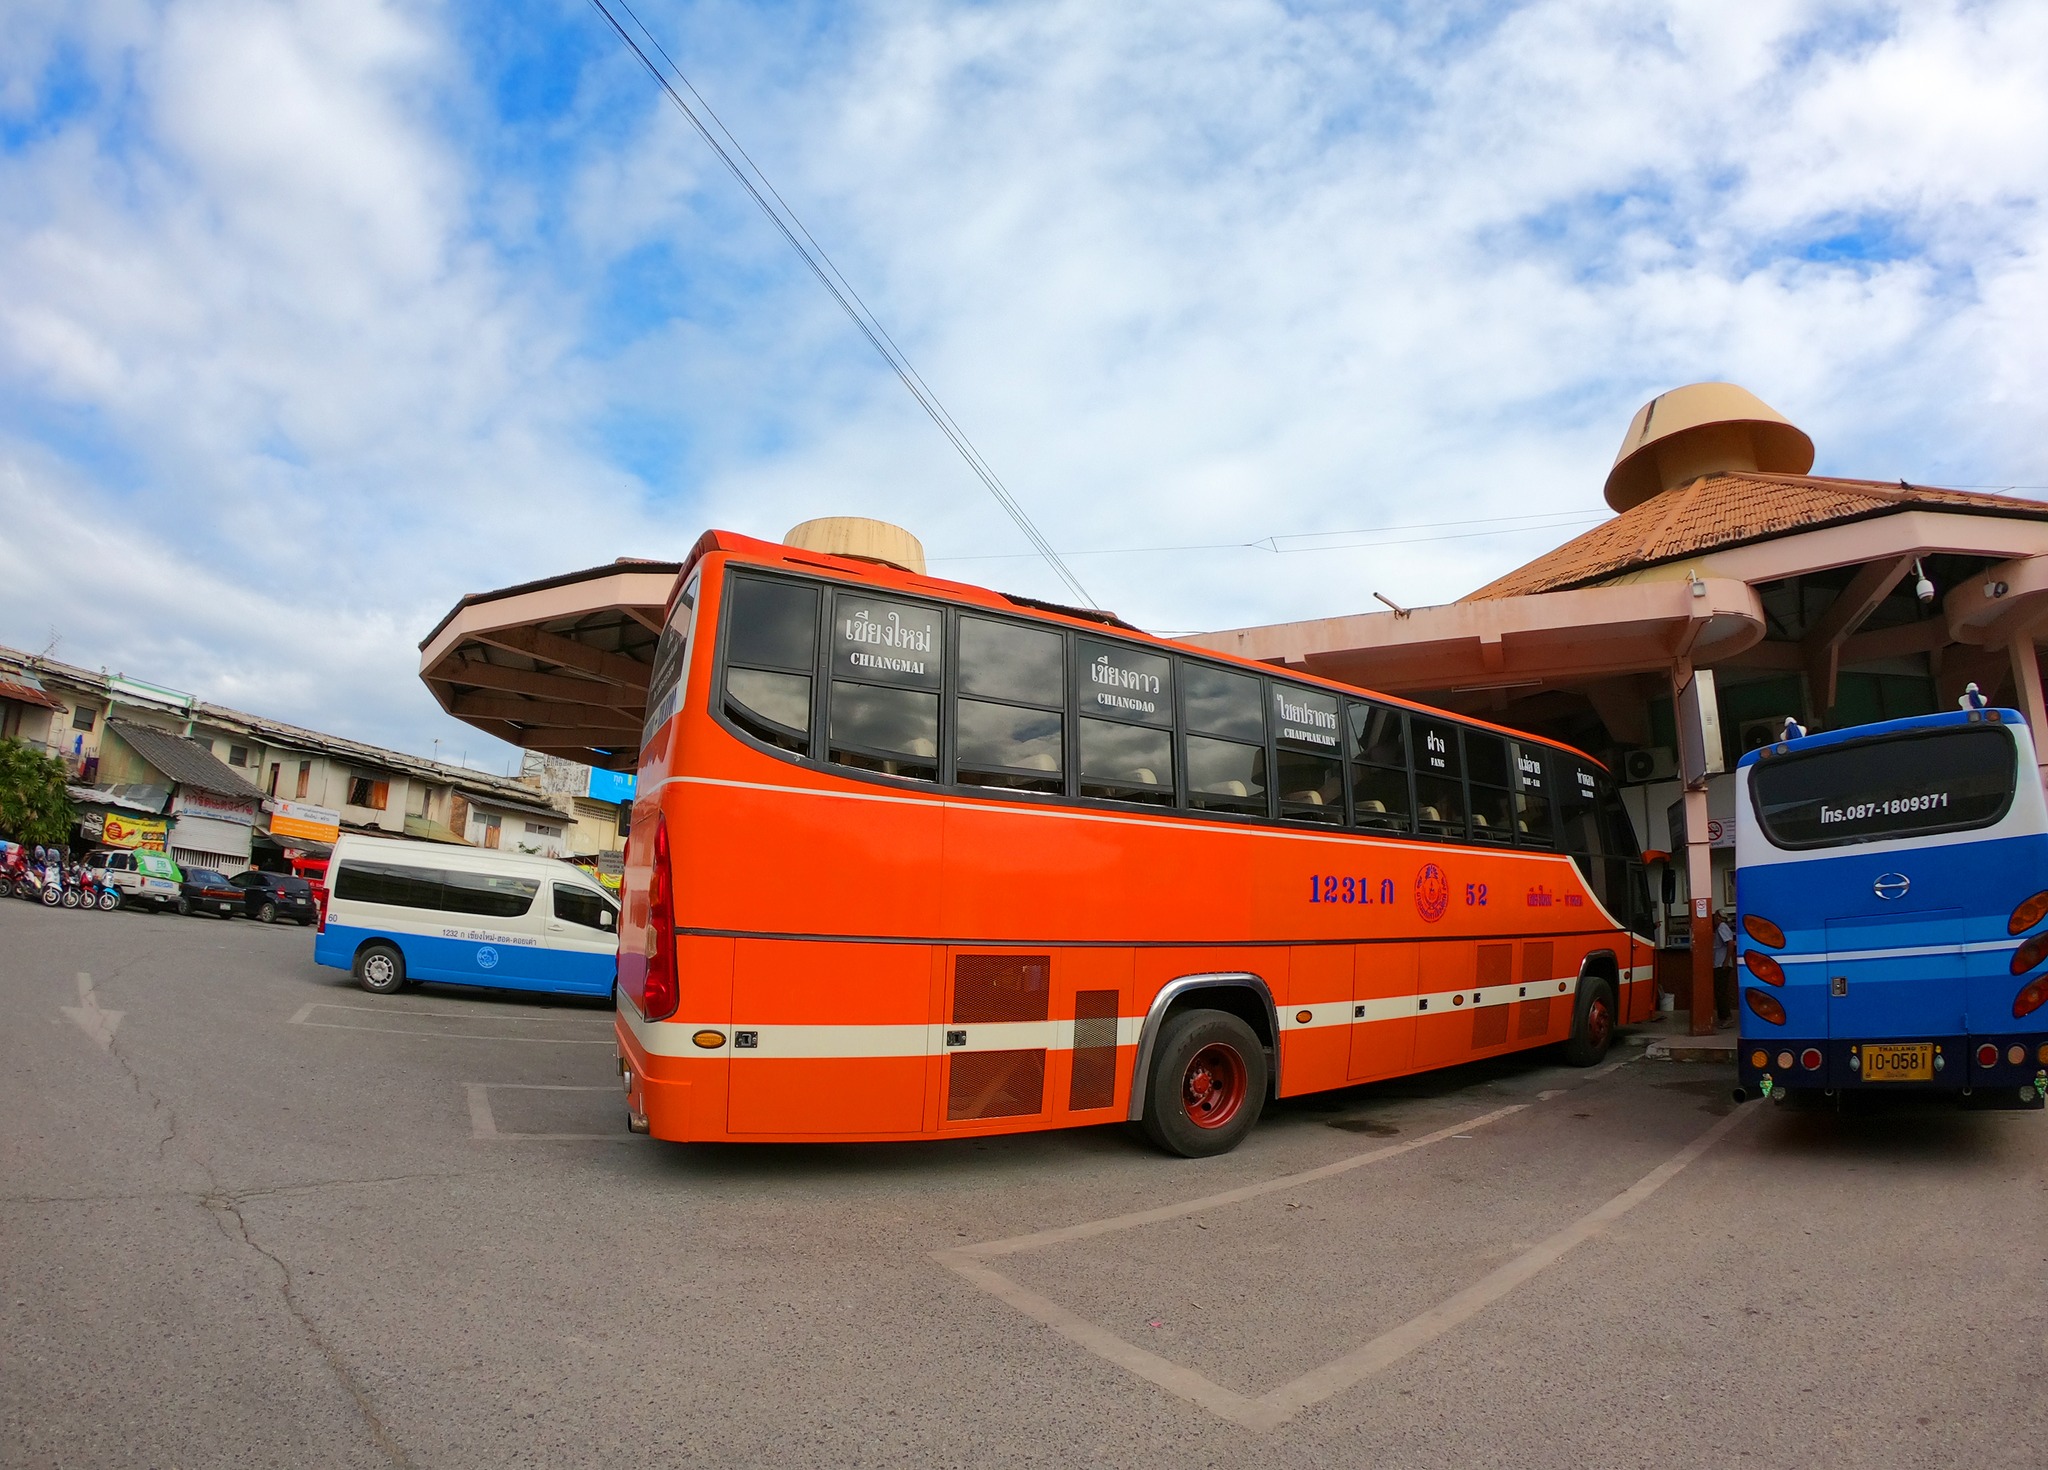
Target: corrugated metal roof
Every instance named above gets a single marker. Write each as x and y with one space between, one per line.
183 761
22 693
1727 510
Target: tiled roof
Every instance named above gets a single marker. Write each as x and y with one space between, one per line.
27 694
183 761
1727 510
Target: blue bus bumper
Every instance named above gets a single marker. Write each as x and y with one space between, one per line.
1768 1064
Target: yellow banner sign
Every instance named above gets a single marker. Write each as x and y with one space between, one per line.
151 834
307 823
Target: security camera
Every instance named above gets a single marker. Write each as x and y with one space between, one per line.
1922 588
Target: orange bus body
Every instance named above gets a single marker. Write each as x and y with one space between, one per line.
822 920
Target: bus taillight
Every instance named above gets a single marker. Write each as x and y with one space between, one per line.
661 991
2031 998
1763 931
2030 954
1811 1059
2028 914
1764 968
1765 1004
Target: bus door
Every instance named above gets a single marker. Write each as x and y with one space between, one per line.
1896 975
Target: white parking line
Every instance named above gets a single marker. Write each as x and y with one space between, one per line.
1275 1407
302 1017
484 1124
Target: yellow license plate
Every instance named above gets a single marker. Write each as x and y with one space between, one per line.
1910 1062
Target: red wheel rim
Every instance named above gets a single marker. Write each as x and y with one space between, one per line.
1213 1087
1599 1023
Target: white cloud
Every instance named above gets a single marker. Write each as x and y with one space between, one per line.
304 339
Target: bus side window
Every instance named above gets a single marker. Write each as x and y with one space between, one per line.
1532 799
886 668
1486 761
671 674
1124 723
1012 732
1578 828
1306 766
771 652
1379 768
1225 716
1439 778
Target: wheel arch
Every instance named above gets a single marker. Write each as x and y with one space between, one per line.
1603 965
1239 992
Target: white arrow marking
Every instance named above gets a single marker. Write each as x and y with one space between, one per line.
96 1023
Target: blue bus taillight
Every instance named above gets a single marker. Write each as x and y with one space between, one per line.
2030 954
1763 931
1768 1007
1765 969
2031 998
2028 914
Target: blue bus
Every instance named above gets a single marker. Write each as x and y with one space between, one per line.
1891 885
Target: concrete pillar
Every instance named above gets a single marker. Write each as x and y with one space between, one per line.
2026 683
1699 882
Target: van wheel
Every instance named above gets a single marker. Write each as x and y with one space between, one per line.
1593 1025
1208 1085
380 969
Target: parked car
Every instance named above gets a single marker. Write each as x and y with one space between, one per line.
268 897
207 892
145 879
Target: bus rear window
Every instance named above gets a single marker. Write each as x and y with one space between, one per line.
1900 786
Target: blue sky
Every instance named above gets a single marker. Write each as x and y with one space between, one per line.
318 315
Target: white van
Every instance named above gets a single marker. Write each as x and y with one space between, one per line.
399 912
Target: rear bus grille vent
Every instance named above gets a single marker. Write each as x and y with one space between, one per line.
1094 1084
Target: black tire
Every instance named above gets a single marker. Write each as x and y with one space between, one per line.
184 908
380 969
266 913
1206 1062
1592 1024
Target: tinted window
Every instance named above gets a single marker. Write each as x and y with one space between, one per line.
770 706
773 625
1901 786
671 659
489 894
1120 683
1222 703
1379 736
1306 718
1439 793
205 877
1532 796
1311 786
1126 762
1008 745
1006 661
1225 776
581 906
1379 767
402 885
883 641
1575 795
246 880
1486 760
893 731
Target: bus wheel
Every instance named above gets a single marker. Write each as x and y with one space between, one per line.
1208 1085
1593 1026
380 969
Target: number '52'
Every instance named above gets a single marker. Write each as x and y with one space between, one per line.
1475 893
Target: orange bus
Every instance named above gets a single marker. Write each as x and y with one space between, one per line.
915 859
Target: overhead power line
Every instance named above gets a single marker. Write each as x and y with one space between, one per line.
800 239
1536 521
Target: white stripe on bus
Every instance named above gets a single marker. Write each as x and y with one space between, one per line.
1908 952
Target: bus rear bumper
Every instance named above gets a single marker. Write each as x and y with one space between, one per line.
2015 1075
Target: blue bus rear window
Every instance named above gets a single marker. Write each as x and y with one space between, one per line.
1897 786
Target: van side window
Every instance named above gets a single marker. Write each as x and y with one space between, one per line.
1439 777
1225 715
1306 766
1379 768
1009 725
1125 722
771 646
401 885
576 905
887 664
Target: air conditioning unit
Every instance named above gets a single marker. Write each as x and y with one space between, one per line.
1655 764
1755 734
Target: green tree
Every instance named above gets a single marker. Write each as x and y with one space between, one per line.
34 806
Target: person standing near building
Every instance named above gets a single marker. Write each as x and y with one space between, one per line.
1724 970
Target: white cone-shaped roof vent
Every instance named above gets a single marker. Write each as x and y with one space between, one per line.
1703 429
858 536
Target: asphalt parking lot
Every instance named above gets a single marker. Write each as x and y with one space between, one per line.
253 1216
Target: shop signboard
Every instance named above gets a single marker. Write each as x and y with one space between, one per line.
296 819
195 803
142 834
611 786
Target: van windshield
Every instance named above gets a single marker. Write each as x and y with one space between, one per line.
1912 785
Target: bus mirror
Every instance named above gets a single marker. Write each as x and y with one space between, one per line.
605 918
1669 882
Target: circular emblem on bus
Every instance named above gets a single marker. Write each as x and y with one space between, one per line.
486 957
1891 885
1432 893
